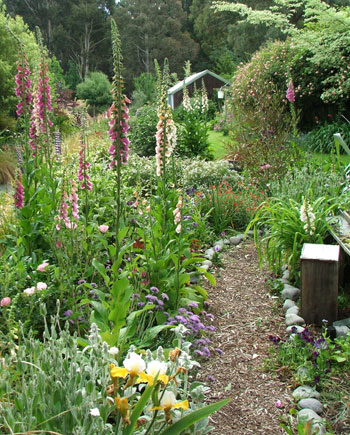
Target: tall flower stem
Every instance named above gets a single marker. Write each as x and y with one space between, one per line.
118 127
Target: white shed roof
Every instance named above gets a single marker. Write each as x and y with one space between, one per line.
193 78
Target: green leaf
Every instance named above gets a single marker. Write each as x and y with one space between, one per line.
101 270
194 416
208 275
141 404
338 358
151 333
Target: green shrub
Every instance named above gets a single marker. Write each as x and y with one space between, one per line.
96 90
143 128
321 139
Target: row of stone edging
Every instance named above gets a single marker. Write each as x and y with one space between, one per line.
306 396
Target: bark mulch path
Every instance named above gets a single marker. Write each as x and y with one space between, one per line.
245 315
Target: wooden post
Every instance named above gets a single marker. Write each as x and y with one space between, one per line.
319 283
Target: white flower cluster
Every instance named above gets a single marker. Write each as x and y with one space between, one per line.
308 218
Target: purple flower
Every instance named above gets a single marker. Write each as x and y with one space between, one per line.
195 225
93 284
151 298
166 314
210 316
206 351
154 290
160 303
219 351
198 352
181 319
68 313
211 378
290 95
206 304
193 305
135 296
164 296
81 281
141 304
182 311
210 328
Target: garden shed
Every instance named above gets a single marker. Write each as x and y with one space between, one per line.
211 81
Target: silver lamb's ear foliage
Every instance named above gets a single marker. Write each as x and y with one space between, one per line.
160 354
149 356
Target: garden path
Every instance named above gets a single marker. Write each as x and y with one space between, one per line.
245 315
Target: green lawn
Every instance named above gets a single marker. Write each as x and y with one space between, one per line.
217 144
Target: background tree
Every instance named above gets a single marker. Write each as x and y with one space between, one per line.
153 30
9 50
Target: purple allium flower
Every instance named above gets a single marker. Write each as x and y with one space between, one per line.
151 298
68 313
182 311
164 296
181 319
195 318
154 290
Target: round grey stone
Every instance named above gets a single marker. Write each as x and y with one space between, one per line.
285 274
290 292
294 319
303 373
341 331
311 403
235 240
318 426
304 392
209 253
292 310
219 243
208 263
204 266
288 303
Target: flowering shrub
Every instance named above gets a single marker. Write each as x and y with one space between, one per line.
229 205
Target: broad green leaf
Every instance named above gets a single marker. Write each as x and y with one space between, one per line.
151 333
141 404
101 269
194 416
